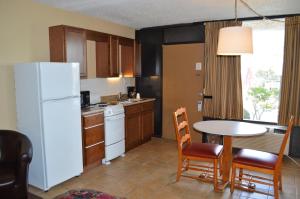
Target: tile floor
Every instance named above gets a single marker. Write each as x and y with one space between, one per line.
149 172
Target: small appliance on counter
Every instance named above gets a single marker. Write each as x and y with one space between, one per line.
131 91
85 98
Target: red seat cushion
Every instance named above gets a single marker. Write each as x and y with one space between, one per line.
204 150
256 158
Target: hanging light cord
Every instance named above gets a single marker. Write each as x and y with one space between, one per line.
254 11
235 10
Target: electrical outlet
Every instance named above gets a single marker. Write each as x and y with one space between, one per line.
199 105
198 66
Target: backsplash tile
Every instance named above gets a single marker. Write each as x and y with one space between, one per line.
105 86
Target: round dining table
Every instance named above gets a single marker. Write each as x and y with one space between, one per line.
228 129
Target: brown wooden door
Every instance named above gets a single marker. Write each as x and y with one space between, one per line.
133 130
147 125
182 85
75 47
126 55
127 60
94 154
114 57
132 126
137 59
103 58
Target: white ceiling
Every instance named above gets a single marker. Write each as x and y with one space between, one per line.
147 13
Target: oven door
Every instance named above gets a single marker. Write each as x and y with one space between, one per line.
114 129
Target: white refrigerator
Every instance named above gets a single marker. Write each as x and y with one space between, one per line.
48 112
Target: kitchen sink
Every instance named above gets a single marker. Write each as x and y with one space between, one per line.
128 101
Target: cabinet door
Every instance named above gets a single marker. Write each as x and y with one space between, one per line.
151 60
94 154
114 57
93 139
91 59
126 55
147 121
132 130
137 59
75 42
102 58
127 60
147 125
93 135
57 43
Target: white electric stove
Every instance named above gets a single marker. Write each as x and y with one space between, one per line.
114 126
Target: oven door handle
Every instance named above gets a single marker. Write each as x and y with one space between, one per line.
115 117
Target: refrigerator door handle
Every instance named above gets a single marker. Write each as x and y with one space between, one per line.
63 98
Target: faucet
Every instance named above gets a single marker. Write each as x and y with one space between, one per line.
119 96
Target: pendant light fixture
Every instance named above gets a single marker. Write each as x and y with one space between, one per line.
235 40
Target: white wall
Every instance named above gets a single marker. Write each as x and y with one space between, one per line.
105 86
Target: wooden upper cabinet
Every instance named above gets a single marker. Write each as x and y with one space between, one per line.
111 55
114 56
68 44
127 62
75 42
103 57
107 56
91 59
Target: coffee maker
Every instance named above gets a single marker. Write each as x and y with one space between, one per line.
131 92
85 98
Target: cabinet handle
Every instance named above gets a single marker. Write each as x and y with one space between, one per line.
85 128
94 144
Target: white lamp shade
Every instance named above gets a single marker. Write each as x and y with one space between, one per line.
235 40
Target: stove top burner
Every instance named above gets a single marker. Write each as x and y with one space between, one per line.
100 105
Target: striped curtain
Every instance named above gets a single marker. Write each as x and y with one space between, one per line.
290 83
222 78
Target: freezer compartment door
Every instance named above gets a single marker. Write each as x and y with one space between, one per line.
59 80
62 137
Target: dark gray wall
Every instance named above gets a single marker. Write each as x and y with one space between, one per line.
151 40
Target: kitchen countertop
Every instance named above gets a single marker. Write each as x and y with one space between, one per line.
91 110
138 101
97 109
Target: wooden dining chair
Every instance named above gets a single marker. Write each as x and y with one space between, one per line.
195 151
259 161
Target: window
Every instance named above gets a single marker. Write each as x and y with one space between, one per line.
262 70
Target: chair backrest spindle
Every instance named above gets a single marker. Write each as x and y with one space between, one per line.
181 125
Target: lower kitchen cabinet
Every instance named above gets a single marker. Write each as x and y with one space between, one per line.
132 129
93 139
94 155
148 125
139 124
